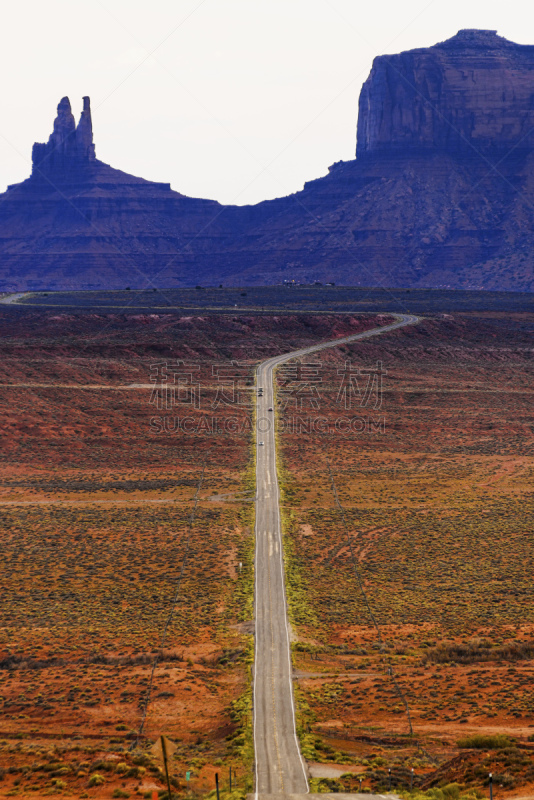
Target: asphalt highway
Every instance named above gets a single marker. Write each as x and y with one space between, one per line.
279 766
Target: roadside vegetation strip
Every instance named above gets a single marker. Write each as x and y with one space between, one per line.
242 709
244 594
13 298
299 609
248 517
241 713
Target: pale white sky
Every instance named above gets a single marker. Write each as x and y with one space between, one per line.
235 100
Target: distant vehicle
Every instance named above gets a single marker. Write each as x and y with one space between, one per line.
260 443
269 409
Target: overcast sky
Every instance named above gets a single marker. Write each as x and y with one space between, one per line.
235 100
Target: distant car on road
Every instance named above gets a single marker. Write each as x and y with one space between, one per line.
269 409
260 443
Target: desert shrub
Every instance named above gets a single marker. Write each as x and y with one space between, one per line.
96 779
480 741
505 781
512 756
53 766
135 772
142 759
452 791
107 766
328 785
480 651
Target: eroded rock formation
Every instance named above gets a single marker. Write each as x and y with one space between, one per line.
472 93
441 194
70 151
78 223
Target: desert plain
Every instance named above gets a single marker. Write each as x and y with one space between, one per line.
127 551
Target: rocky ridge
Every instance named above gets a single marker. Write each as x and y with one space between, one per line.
441 194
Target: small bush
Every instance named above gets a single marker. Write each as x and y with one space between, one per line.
480 741
96 779
107 766
480 651
451 791
505 781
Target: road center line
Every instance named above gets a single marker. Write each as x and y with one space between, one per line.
279 766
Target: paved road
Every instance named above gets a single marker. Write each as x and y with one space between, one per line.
280 768
9 299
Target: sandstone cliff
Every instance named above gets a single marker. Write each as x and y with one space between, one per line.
472 94
441 194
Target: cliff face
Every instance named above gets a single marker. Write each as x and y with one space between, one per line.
440 195
473 93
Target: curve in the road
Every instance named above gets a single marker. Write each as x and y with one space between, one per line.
279 766
12 299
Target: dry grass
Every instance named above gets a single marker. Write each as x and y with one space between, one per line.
440 517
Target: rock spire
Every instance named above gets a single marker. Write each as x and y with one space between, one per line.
69 151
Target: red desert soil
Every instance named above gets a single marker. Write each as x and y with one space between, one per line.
97 491
414 595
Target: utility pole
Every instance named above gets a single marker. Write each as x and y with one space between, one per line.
164 751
